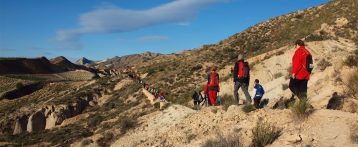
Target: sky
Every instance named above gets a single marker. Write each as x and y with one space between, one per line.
101 29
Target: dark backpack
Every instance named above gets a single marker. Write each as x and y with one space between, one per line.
197 96
309 63
243 70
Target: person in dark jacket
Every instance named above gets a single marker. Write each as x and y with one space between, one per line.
300 75
197 98
241 77
258 93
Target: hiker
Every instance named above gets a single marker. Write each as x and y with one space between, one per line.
197 98
212 86
302 66
161 100
257 93
241 76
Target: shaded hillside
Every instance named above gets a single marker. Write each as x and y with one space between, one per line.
64 64
178 74
27 66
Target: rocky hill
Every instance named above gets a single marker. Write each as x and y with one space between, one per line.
117 110
84 61
27 66
178 73
129 60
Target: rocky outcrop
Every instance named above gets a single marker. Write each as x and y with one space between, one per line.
20 125
51 116
36 122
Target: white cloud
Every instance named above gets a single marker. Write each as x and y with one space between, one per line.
111 19
153 38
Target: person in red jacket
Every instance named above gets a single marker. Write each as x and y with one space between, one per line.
212 86
300 74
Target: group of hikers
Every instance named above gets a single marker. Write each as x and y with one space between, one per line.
150 88
302 65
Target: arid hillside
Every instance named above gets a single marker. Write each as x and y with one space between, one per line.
179 73
117 107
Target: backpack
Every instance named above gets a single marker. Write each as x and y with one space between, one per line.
244 70
213 79
309 63
197 96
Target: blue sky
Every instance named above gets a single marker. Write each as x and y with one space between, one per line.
100 29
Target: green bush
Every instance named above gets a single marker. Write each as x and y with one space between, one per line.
264 134
248 108
302 109
19 86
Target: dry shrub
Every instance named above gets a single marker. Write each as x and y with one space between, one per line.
352 85
277 75
285 86
105 140
221 141
264 134
127 124
352 60
227 101
354 134
323 64
248 108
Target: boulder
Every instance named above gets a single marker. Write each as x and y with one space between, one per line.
51 121
92 103
36 122
20 125
49 110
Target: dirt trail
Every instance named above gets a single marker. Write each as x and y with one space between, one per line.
150 96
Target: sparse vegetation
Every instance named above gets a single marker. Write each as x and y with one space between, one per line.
221 141
105 140
63 135
264 134
323 64
302 109
352 60
127 124
284 86
279 53
352 85
248 108
227 101
317 37
354 134
277 75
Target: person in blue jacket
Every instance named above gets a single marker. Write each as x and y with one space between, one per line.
258 93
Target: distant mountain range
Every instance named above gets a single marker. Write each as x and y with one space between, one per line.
38 65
